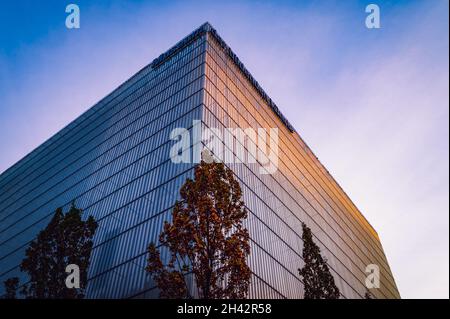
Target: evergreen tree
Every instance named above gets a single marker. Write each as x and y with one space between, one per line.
67 239
317 279
206 239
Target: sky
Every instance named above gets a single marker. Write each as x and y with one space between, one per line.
373 104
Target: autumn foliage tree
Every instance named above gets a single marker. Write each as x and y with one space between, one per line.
205 240
317 278
67 239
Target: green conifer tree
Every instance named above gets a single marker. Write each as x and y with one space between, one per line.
317 279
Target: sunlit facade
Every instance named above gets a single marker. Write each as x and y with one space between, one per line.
114 161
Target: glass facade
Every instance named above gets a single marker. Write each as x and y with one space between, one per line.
114 161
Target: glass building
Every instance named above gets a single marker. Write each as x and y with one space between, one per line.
114 161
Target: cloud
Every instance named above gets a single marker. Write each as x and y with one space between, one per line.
381 127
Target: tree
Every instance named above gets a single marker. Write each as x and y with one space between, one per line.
205 240
317 279
66 240
11 286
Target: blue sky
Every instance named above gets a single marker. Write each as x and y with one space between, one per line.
372 104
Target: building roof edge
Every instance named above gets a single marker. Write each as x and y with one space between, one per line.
208 28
